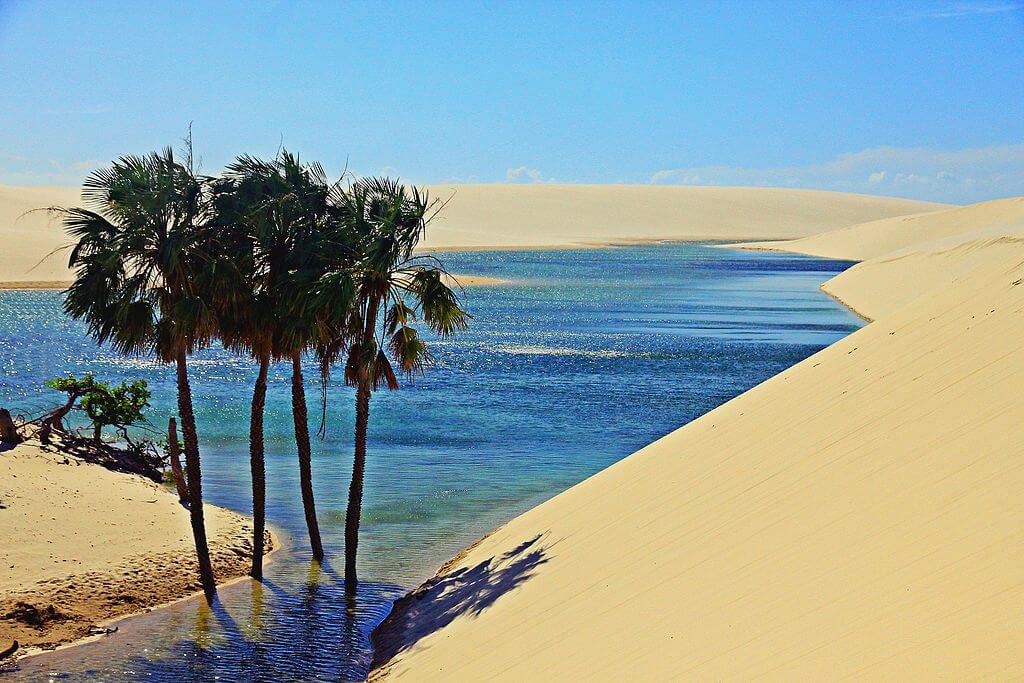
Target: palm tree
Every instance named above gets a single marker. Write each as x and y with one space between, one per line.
383 293
140 260
271 210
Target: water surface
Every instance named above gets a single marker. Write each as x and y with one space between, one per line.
584 357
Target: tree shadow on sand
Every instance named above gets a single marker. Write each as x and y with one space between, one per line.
449 595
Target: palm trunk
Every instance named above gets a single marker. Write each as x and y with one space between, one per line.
258 466
305 459
195 482
174 456
355 491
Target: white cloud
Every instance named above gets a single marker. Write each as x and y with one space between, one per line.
952 10
966 175
523 174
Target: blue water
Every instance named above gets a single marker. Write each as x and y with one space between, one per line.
584 357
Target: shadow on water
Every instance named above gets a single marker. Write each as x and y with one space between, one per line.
307 632
465 591
302 626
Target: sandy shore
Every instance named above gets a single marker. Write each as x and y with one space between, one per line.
517 216
96 544
858 515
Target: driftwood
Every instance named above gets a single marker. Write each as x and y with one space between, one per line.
9 651
8 430
175 458
100 631
55 418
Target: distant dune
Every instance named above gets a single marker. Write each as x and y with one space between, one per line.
503 216
559 215
870 240
911 256
856 516
27 238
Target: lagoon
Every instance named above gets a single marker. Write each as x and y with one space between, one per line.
583 357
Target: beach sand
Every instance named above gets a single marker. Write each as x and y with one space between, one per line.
893 278
97 544
858 515
516 216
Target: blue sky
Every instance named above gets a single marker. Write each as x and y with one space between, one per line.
915 99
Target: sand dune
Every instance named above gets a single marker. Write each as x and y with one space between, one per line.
558 215
912 255
858 515
27 238
503 216
97 544
880 286
877 238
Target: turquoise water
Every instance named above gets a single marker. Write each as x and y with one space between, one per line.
584 357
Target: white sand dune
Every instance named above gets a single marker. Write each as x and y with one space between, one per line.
884 236
27 236
859 515
506 215
509 216
880 286
912 256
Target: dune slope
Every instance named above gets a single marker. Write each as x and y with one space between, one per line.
857 515
508 216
